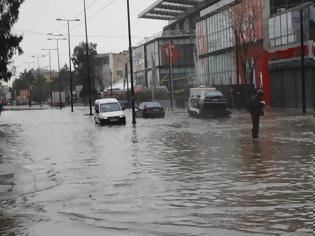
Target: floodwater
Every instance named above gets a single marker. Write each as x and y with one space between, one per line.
60 174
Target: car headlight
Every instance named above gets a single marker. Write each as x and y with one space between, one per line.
104 117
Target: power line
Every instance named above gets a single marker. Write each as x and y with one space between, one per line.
90 5
80 36
76 16
95 14
107 5
30 32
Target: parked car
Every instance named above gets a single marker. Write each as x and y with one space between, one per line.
109 111
207 103
150 110
125 104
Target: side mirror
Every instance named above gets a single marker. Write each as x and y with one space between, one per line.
123 108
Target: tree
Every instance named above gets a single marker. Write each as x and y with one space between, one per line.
24 81
245 18
39 86
9 43
40 90
80 65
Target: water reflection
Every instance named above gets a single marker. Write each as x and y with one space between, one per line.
174 176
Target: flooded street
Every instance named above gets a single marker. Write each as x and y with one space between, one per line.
60 174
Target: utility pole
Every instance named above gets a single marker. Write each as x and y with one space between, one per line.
38 75
70 72
126 75
302 62
50 76
88 60
38 68
111 82
237 57
58 57
131 68
171 72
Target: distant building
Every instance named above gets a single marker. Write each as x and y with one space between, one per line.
109 68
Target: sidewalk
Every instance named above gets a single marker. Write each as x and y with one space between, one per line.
25 108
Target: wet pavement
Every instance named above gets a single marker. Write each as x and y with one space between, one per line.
60 174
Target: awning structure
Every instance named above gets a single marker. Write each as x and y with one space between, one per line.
168 9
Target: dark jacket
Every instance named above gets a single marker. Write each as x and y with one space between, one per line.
255 105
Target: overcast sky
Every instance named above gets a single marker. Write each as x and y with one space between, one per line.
107 26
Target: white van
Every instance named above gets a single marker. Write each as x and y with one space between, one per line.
107 111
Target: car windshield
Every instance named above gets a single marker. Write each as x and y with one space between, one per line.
109 107
213 94
152 104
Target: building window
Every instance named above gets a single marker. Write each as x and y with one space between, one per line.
285 28
277 6
281 30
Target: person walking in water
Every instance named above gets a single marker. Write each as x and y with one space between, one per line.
256 108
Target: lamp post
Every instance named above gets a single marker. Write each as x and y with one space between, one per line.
50 77
87 59
70 73
38 75
59 79
131 68
170 54
302 62
37 57
29 63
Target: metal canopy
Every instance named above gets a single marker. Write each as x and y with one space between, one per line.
168 9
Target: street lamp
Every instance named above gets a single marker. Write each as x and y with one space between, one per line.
50 78
302 62
28 63
59 79
37 57
131 68
170 54
70 73
87 59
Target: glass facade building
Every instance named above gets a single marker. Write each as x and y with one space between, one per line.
284 28
284 46
277 6
215 33
215 39
152 61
